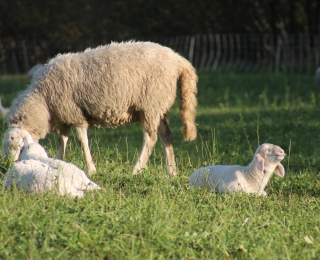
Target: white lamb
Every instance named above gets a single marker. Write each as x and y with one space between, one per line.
235 178
38 173
78 178
36 177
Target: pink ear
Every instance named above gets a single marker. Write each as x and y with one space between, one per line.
279 170
259 162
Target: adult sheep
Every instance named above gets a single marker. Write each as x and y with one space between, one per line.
109 86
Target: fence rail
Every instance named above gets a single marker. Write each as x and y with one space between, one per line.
241 52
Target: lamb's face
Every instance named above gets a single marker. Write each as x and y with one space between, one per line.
271 153
12 143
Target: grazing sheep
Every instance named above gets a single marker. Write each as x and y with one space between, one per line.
14 141
317 77
235 178
37 173
109 86
35 71
3 110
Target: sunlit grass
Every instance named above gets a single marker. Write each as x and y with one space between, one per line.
156 216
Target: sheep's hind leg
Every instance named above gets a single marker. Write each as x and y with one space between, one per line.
63 139
83 139
149 140
166 141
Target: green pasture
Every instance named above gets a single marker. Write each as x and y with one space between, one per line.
156 216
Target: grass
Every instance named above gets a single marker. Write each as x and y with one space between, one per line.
156 216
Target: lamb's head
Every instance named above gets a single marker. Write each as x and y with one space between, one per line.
268 157
33 151
14 141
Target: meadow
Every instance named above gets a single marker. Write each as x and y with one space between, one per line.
156 216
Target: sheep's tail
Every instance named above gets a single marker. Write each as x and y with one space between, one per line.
188 84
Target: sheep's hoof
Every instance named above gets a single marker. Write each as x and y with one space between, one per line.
92 171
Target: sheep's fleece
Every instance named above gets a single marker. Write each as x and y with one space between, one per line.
109 86
37 173
235 178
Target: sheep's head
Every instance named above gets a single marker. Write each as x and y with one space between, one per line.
13 142
269 157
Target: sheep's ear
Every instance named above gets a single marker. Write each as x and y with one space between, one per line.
259 162
279 170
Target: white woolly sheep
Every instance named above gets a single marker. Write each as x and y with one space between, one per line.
38 173
109 86
235 178
35 70
317 77
3 110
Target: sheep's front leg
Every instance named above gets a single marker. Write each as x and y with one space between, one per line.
63 139
149 140
166 141
83 139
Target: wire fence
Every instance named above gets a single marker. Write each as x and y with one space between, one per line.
239 52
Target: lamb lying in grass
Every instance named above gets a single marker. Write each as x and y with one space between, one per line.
235 178
37 173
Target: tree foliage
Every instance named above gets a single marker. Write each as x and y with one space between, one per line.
78 20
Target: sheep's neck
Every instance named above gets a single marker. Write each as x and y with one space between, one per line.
36 121
256 179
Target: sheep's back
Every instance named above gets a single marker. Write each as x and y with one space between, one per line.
112 84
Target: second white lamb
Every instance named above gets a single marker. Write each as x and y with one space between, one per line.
235 178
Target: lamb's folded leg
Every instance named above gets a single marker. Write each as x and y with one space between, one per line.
83 139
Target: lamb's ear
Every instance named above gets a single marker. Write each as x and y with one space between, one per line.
259 162
27 137
279 170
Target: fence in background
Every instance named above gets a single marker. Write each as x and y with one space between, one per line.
240 52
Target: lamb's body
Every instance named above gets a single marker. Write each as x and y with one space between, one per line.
37 173
36 177
109 86
77 177
235 178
